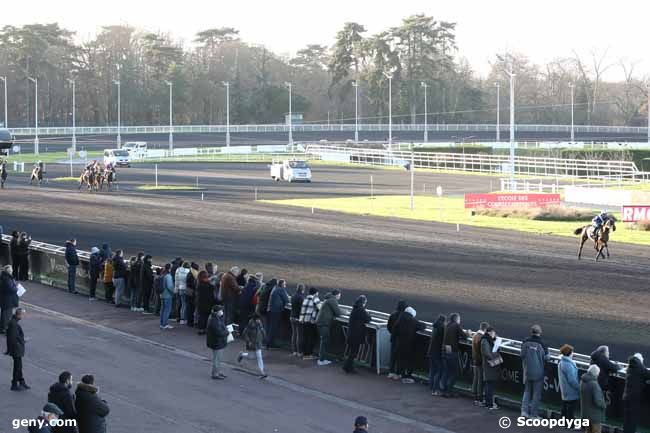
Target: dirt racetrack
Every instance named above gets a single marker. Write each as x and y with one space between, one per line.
510 279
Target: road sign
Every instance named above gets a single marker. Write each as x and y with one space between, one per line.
82 154
15 149
439 191
70 152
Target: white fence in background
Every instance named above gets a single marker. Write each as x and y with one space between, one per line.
537 186
493 164
333 127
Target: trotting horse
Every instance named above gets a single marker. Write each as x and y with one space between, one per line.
108 176
90 178
37 174
586 232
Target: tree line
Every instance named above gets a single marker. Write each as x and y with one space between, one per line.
420 50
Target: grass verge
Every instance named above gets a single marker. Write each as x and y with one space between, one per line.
451 210
64 179
49 157
169 188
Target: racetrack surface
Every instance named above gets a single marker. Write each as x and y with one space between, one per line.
511 279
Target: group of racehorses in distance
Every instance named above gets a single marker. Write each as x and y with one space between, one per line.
94 176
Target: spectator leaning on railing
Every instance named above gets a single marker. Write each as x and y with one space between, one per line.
329 310
401 306
534 355
357 321
454 334
600 357
637 377
435 356
307 319
405 332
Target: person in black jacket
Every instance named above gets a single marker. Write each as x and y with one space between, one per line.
146 283
8 297
72 259
405 331
296 329
401 306
22 257
94 268
454 334
91 410
359 317
16 349
135 283
63 398
204 301
600 357
637 377
13 247
435 356
217 340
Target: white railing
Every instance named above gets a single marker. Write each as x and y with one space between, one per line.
529 185
481 163
334 127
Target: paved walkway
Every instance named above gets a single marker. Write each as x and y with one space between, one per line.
158 381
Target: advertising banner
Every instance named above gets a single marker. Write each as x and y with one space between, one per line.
506 200
635 213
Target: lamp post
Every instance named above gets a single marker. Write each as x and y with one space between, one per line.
498 112
390 109
35 81
4 80
426 133
119 113
512 127
288 84
171 116
74 115
227 84
356 111
572 87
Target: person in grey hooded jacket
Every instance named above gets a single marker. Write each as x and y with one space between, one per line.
533 354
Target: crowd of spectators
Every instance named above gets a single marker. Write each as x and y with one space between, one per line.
211 301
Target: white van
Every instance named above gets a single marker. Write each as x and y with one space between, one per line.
117 157
291 171
136 149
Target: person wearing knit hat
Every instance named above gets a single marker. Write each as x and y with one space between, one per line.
361 424
405 331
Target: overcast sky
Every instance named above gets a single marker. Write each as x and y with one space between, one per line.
541 30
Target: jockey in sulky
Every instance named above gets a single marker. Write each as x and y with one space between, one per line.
597 222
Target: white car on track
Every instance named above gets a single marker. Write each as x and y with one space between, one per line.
117 157
291 171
